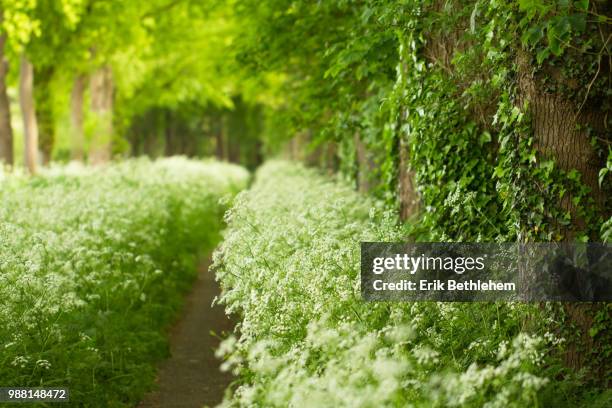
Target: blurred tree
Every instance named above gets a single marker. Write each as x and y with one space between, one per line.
6 132
35 32
76 118
30 126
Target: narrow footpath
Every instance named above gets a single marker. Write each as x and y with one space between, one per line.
191 376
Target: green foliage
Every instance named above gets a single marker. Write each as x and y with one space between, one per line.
93 265
334 56
289 267
452 158
165 56
440 79
552 23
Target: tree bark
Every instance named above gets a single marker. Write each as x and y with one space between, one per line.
408 196
101 84
168 134
331 158
218 129
224 132
76 118
365 164
6 132
44 112
219 144
233 147
406 184
557 136
28 111
258 153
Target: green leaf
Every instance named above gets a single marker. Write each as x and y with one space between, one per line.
554 45
582 5
542 55
602 175
582 238
532 36
485 137
577 22
563 3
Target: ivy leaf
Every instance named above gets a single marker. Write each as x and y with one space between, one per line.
485 137
542 55
563 4
557 31
547 165
475 13
554 45
574 175
577 22
532 36
602 175
532 7
516 112
582 5
582 238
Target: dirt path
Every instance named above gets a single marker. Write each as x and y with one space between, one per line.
191 376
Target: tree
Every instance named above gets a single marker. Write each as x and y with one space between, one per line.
6 131
76 118
28 111
45 113
101 89
17 27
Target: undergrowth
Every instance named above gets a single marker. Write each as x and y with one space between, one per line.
289 267
93 265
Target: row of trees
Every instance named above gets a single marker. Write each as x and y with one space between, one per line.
197 130
41 40
95 76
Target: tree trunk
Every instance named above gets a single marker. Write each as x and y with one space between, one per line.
101 86
365 165
44 112
6 132
407 188
331 158
557 136
409 202
149 133
408 196
76 119
233 143
168 134
219 136
28 111
258 153
219 144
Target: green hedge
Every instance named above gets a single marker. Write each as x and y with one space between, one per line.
93 263
289 267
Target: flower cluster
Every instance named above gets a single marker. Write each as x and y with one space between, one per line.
93 262
289 267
